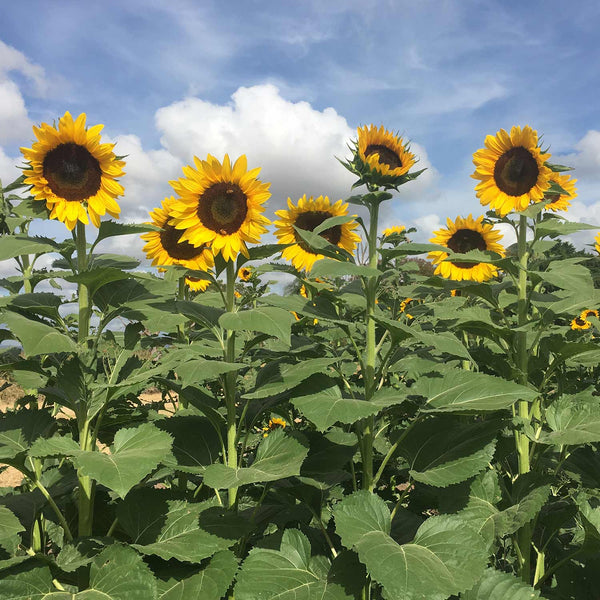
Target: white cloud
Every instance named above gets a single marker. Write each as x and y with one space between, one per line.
13 60
586 161
14 122
8 168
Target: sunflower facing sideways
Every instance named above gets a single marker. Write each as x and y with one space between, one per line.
308 215
561 201
393 230
220 205
165 247
462 236
512 170
71 170
597 243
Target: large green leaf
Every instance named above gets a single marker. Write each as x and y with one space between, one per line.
10 528
17 245
198 370
265 319
134 454
113 228
444 451
496 585
290 573
209 584
460 390
327 267
446 557
187 531
573 420
279 455
37 338
567 275
19 430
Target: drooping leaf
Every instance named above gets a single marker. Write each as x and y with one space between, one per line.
265 319
496 585
17 245
446 556
279 455
134 454
327 267
10 528
198 370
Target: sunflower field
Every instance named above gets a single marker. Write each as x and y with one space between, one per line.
392 427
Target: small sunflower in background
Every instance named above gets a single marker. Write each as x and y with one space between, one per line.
220 205
597 243
394 230
561 201
274 423
245 273
512 170
308 215
580 323
404 305
589 312
381 158
72 171
463 235
165 247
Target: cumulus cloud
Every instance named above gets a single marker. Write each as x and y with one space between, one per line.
8 168
586 161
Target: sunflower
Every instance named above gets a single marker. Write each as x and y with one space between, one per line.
309 214
461 236
580 323
561 201
220 205
196 284
403 306
274 423
394 230
245 273
589 312
165 247
512 170
597 243
70 170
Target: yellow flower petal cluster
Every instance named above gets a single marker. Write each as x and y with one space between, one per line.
383 151
512 170
220 205
597 243
394 230
308 214
245 273
463 235
561 201
274 423
71 170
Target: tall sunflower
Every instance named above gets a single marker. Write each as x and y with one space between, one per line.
308 215
220 205
71 170
165 247
561 201
384 151
462 236
512 170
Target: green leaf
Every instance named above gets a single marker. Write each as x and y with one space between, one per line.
460 390
266 319
17 245
10 528
96 278
198 370
37 338
446 556
567 275
57 445
290 573
444 451
174 528
327 267
555 228
496 585
134 454
279 455
112 228
573 419
18 431
41 304
319 245
209 584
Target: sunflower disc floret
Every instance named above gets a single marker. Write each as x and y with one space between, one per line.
308 214
512 170
71 170
461 236
220 205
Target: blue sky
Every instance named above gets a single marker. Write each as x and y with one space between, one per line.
287 83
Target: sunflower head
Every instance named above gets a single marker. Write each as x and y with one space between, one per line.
461 236
580 323
394 230
72 171
220 205
597 243
274 423
308 215
245 273
166 247
380 159
560 200
511 170
404 305
589 312
196 284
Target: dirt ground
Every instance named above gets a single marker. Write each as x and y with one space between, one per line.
9 476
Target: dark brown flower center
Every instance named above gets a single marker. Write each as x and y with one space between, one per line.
386 155
580 322
223 208
72 172
464 240
516 171
169 238
310 221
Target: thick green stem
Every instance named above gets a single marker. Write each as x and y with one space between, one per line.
86 485
27 269
368 424
229 381
84 297
54 507
181 335
521 440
